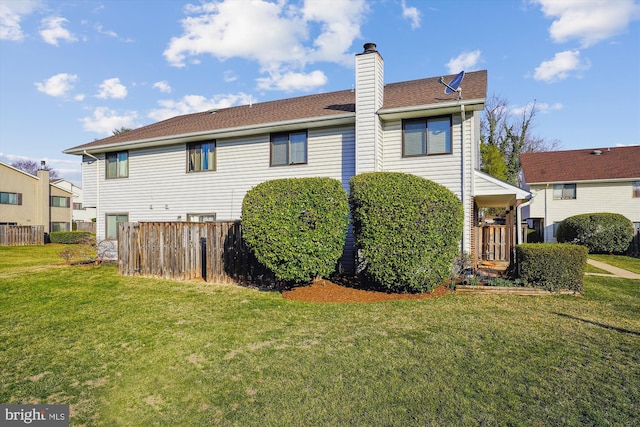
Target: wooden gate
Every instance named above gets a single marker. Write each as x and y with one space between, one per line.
496 242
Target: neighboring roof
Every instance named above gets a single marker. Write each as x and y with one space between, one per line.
613 163
333 104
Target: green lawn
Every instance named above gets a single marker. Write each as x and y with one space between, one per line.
128 351
626 262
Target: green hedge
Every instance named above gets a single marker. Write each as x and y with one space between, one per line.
407 230
69 237
296 227
552 266
600 232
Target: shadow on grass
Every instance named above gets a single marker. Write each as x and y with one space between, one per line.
602 325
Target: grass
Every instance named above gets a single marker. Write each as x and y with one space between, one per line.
140 352
620 261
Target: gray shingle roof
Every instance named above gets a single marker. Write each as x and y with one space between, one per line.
404 94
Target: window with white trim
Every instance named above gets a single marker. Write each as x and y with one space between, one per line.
112 221
564 191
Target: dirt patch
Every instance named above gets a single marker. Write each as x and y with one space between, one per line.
326 291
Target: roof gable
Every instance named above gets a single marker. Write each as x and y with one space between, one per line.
330 105
581 165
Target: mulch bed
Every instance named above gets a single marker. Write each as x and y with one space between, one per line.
327 291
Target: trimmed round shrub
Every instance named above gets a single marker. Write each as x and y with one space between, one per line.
407 230
600 232
552 266
296 227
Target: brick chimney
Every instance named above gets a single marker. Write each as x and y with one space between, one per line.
369 99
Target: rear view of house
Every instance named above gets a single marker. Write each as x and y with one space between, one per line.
573 182
198 167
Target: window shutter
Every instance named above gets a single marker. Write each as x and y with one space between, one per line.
68 202
20 198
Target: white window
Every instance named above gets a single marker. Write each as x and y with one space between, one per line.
202 217
112 221
564 191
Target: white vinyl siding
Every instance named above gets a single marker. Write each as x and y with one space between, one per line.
369 98
90 168
444 169
160 189
591 198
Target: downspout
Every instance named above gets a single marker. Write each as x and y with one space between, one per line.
97 186
544 228
464 176
519 220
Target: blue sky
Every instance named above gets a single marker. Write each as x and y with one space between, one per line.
73 71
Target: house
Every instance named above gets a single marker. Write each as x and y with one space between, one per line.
33 200
572 182
81 215
198 167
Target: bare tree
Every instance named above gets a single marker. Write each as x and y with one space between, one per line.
121 130
511 135
32 168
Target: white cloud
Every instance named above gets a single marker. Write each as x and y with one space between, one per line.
11 13
412 14
275 35
112 88
58 85
291 81
196 103
560 67
229 76
465 61
162 86
52 30
104 121
589 21
541 107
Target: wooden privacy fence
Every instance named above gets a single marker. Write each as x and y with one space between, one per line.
211 251
21 235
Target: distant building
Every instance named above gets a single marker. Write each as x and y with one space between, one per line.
33 200
81 213
573 182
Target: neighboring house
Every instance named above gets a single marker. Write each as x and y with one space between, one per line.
567 183
33 200
198 167
81 213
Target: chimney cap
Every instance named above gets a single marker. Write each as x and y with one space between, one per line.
369 48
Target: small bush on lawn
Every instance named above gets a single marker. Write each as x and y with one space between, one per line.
407 230
600 232
296 227
71 237
552 266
